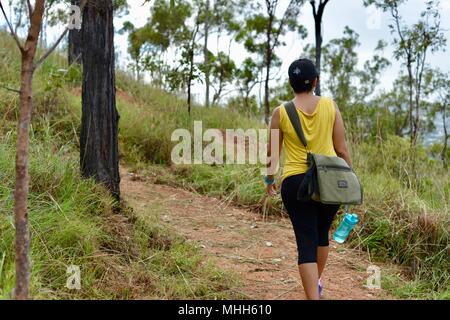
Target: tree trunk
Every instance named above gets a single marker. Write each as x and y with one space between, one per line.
22 179
189 96
266 95
138 74
418 90
318 60
318 24
206 54
191 65
318 15
74 50
411 103
190 76
22 243
99 154
268 65
218 94
246 104
446 137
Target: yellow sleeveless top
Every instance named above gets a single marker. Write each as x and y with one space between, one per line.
318 129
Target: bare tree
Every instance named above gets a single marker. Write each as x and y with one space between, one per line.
190 52
318 15
206 53
412 44
440 86
274 29
28 67
28 52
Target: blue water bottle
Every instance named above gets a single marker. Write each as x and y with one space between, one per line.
346 226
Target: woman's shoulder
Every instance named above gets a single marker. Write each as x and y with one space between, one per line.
280 113
278 110
327 100
281 109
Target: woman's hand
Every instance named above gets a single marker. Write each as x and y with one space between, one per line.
271 190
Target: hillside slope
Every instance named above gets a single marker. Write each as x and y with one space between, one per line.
405 218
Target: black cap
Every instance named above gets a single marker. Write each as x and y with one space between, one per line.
302 72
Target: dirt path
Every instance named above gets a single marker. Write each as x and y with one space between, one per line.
262 253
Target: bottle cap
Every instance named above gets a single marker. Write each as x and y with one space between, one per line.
352 218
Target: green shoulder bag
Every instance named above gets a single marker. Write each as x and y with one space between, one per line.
329 180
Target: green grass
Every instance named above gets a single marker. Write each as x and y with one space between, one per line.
405 217
149 116
121 256
71 222
65 215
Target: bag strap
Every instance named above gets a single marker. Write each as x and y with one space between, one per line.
295 120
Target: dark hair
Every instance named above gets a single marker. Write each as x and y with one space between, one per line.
302 73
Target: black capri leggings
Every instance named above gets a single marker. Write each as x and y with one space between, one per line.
311 220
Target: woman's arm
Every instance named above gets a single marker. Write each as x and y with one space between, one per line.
273 156
340 144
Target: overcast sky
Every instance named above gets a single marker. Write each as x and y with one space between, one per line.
370 24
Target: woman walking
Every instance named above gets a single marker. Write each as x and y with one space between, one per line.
324 130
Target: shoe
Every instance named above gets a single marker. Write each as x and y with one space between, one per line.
320 285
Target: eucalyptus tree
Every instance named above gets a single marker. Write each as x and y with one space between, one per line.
340 66
247 77
216 16
99 153
223 70
262 35
412 44
318 8
188 69
167 27
29 64
352 87
440 89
